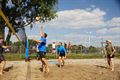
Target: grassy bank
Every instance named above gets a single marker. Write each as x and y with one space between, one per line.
10 56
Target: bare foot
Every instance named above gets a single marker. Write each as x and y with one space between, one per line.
47 70
1 73
112 69
43 69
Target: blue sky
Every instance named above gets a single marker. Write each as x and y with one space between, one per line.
109 6
86 22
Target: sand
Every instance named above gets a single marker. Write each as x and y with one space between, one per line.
74 69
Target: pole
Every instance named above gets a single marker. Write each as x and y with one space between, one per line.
9 25
27 51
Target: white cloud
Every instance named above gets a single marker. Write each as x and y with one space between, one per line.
114 38
114 30
112 26
78 18
34 37
114 22
111 37
102 31
79 38
86 39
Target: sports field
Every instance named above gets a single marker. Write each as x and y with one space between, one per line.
77 69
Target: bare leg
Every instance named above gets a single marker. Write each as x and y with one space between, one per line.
108 61
112 64
45 64
60 61
63 61
2 65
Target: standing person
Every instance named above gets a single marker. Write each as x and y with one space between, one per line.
56 50
69 48
37 51
66 47
62 54
2 59
53 47
42 50
110 54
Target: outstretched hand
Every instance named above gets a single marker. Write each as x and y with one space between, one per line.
6 46
41 31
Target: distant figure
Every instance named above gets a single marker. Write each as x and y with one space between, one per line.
2 59
37 49
65 46
57 46
69 46
53 47
62 54
42 50
110 54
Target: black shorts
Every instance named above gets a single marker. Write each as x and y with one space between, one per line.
41 54
62 55
108 56
1 50
53 49
1 58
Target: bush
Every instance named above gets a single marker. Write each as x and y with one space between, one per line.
10 56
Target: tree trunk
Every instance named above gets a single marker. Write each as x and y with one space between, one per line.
8 37
2 31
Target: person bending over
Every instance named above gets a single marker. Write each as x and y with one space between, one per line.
62 54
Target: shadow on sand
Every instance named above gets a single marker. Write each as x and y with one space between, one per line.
101 66
8 68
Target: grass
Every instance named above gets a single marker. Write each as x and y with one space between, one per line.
10 56
84 56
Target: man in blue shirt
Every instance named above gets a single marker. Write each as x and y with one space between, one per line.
61 52
42 50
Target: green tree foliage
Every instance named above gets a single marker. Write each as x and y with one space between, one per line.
83 49
21 13
77 48
93 49
49 48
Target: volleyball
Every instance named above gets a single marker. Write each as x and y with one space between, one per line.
38 18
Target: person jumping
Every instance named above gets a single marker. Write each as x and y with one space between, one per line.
42 50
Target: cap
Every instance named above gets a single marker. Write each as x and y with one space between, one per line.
109 41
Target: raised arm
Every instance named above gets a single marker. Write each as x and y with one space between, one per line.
6 46
113 49
38 41
41 31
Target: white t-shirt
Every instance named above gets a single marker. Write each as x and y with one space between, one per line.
53 46
37 48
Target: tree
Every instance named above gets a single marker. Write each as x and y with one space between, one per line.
93 49
49 48
21 13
